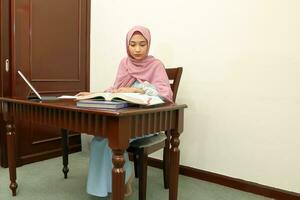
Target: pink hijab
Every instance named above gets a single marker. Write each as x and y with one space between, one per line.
149 69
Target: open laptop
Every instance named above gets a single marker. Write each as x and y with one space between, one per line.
38 96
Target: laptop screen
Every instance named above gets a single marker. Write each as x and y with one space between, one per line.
29 84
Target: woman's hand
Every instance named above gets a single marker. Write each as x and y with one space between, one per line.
82 94
128 90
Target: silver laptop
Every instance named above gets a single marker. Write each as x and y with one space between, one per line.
38 96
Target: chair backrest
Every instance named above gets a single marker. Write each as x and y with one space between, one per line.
174 75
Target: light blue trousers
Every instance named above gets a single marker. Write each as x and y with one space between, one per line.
100 168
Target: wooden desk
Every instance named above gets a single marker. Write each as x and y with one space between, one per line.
118 126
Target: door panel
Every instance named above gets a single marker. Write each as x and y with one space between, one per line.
67 49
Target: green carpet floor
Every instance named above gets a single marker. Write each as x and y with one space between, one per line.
44 181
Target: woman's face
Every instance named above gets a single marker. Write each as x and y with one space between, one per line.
138 46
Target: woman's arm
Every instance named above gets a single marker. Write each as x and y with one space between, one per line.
82 94
129 90
147 88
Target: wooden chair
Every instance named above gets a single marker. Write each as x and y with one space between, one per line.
141 148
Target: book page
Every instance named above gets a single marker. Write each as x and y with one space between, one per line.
138 98
96 95
67 97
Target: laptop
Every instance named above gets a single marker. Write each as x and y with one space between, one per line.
38 96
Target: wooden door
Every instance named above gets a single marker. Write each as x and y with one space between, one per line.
50 45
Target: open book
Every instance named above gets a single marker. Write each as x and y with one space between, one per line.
135 98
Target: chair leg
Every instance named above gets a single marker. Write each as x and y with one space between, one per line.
166 161
65 153
135 163
143 158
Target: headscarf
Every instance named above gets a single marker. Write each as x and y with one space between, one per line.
148 69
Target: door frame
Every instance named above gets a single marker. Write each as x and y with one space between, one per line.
5 76
5 51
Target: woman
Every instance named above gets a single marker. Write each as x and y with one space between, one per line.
138 73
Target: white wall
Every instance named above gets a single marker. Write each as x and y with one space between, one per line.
240 80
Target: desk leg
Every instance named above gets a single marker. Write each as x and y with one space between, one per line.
166 160
65 144
174 165
11 154
118 175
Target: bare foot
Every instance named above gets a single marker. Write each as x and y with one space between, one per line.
128 186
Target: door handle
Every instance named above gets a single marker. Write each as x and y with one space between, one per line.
7 65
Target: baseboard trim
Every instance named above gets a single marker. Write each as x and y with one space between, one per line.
235 183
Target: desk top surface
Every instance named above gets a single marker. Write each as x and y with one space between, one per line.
71 105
